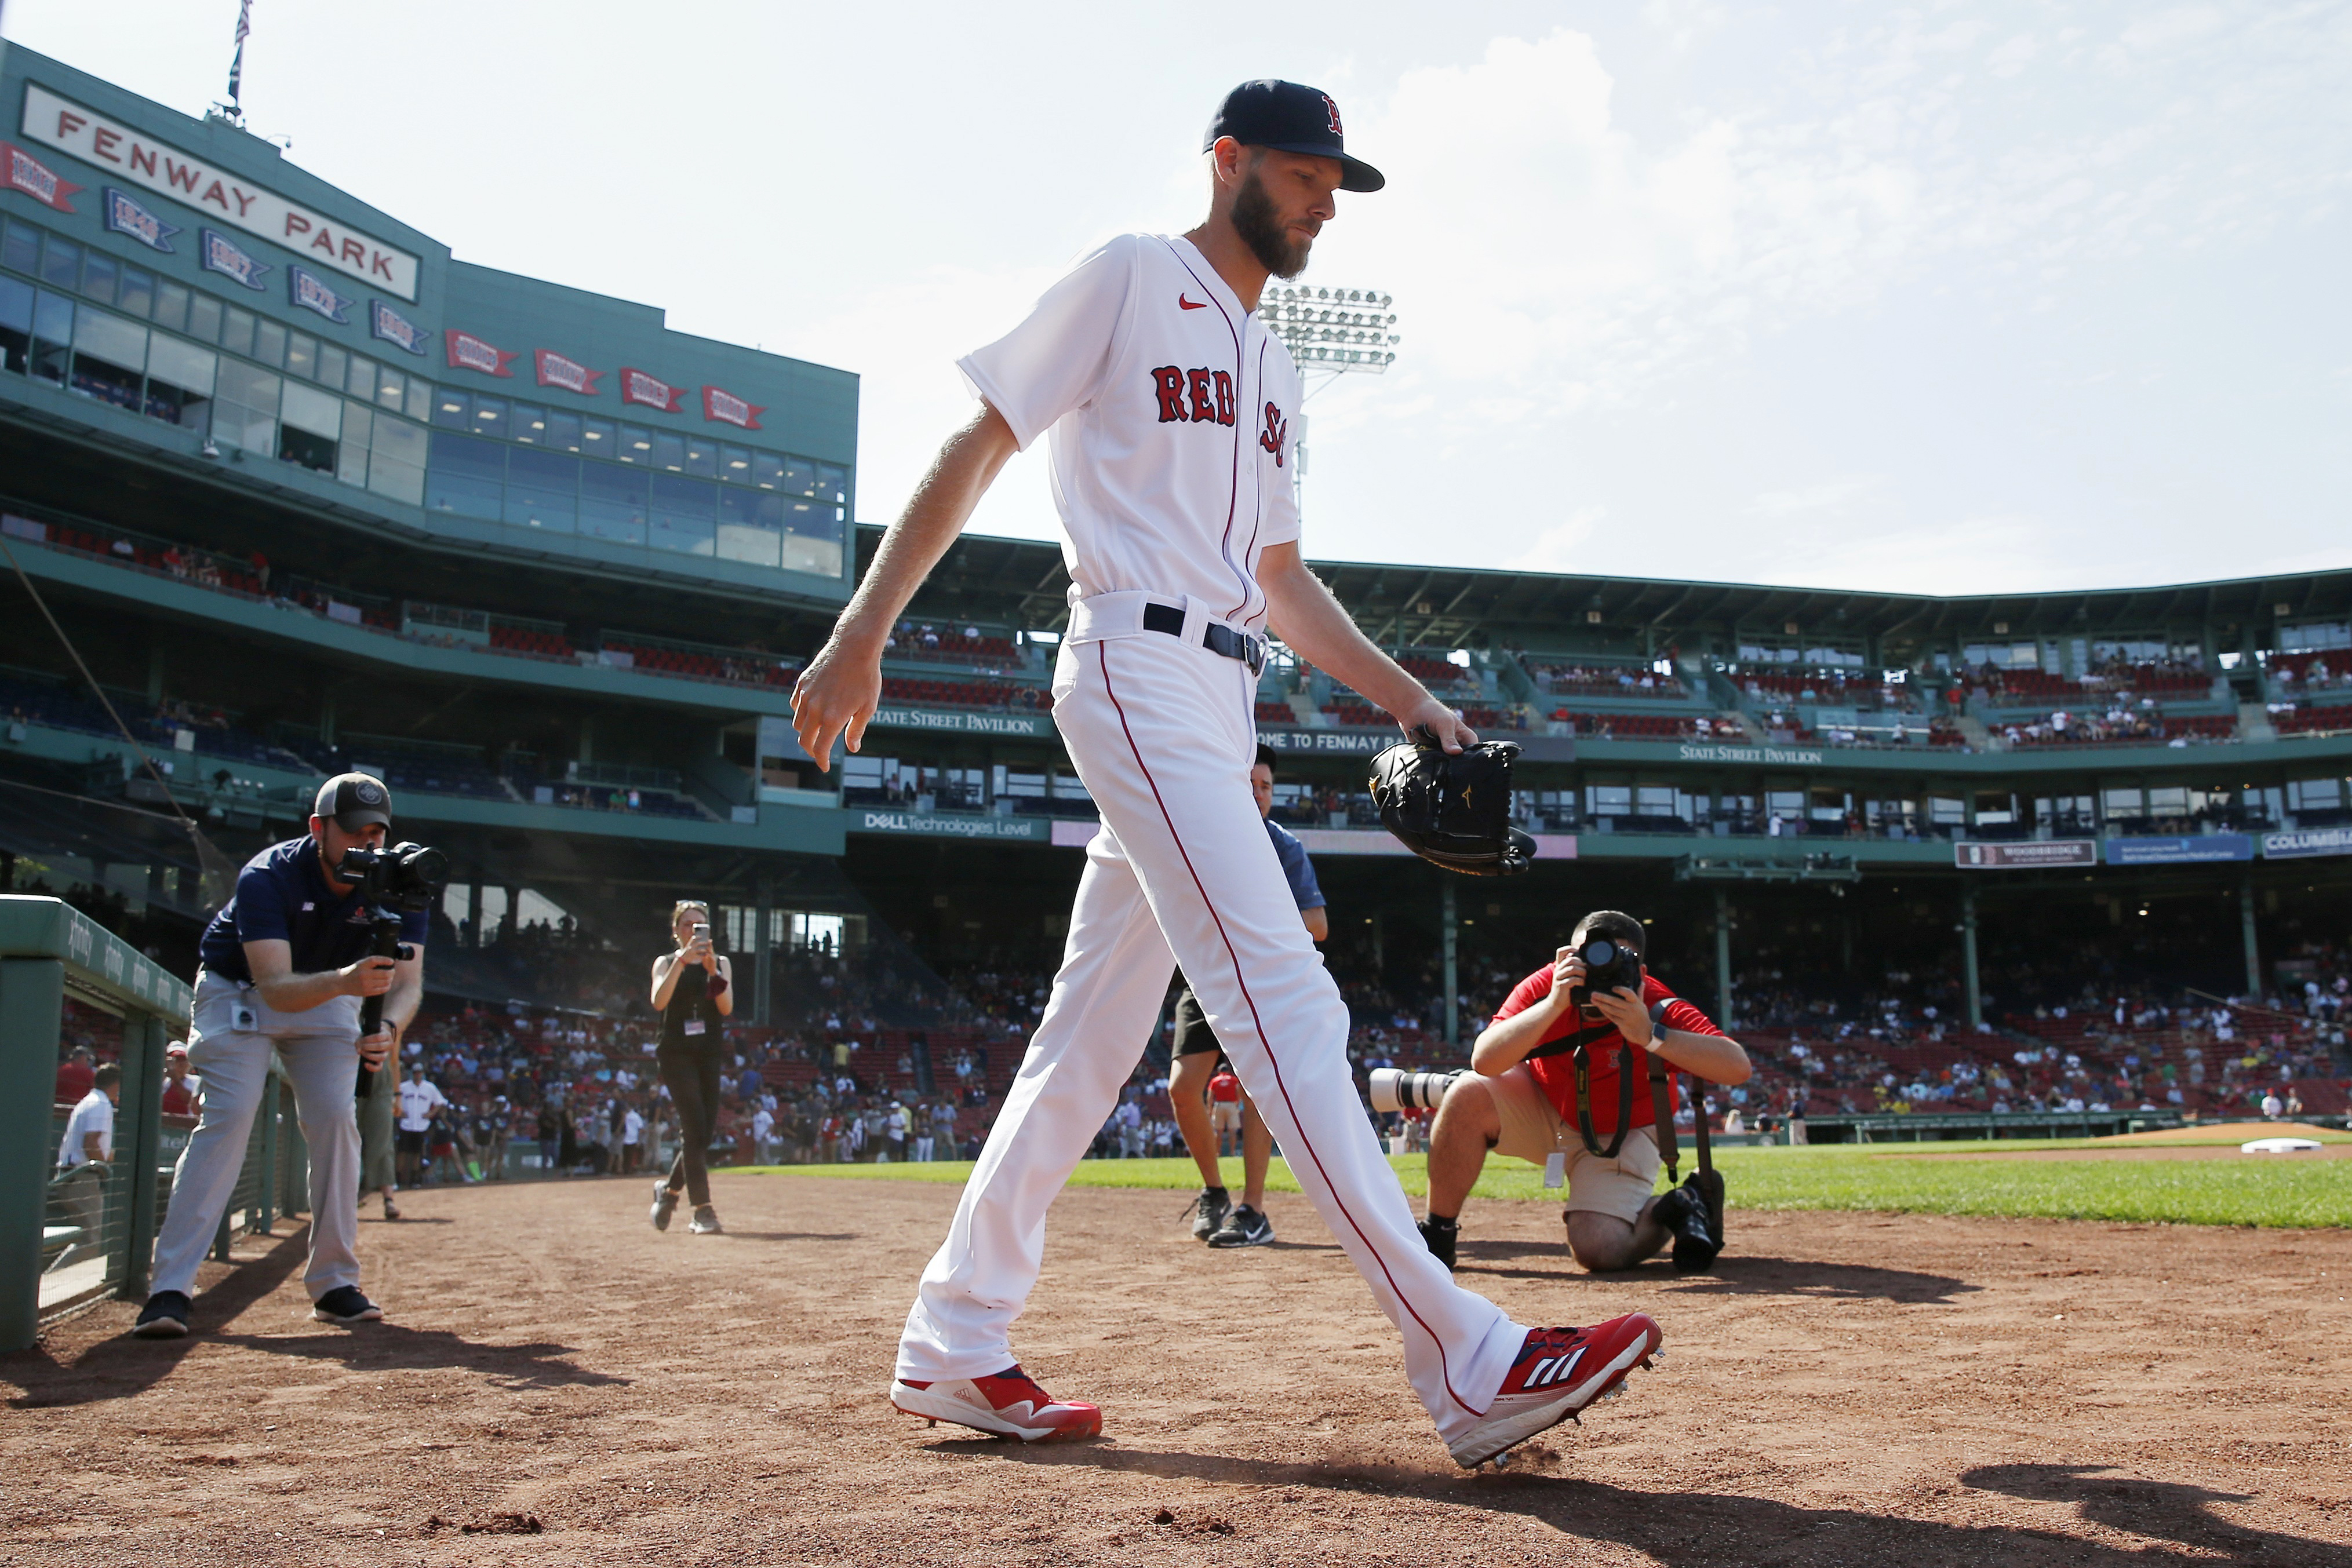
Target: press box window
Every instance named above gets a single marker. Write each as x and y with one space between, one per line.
97 277
136 295
110 358
465 476
172 308
301 355
244 408
179 381
310 423
530 424
15 325
20 249
614 503
543 490
396 462
60 262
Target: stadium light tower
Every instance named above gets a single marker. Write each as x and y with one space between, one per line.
1330 333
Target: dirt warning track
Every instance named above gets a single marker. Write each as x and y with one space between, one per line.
559 1383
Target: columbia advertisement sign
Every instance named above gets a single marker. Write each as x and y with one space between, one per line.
2030 854
2307 844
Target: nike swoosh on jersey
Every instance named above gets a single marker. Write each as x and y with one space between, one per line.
1191 304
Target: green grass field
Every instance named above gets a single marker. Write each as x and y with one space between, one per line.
2294 1191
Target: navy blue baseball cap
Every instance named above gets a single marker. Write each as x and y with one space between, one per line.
1290 118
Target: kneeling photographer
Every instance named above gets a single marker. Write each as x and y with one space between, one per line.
1547 1086
320 958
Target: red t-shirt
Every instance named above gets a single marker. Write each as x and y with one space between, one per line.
1226 1088
1606 1054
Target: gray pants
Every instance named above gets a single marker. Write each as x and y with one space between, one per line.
230 1047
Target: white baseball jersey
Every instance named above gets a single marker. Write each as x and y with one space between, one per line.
1175 422
1175 427
419 1098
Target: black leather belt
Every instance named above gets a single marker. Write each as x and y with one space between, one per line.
1217 637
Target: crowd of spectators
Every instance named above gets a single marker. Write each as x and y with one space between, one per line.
1564 678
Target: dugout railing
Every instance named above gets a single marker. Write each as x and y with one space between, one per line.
68 1235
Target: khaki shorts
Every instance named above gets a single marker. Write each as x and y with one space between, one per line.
1533 1130
1225 1115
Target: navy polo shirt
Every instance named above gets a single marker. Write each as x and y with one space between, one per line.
282 896
1295 867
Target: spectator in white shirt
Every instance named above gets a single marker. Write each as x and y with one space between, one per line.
419 1098
79 1194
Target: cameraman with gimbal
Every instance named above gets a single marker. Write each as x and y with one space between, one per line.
1547 1084
292 963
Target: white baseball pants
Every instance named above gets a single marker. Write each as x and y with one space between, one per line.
1162 732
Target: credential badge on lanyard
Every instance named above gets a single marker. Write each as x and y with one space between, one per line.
694 1026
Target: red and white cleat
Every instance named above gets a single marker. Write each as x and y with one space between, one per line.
1558 1372
1010 1404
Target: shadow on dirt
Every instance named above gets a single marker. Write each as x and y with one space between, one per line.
1732 1274
123 1367
795 1235
1702 1530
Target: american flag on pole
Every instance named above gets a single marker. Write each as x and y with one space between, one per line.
236 61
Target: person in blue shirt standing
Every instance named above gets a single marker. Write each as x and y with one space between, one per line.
284 967
1194 1058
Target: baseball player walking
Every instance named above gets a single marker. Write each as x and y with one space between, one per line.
1172 413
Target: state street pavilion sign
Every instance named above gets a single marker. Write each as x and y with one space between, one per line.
2028 854
141 160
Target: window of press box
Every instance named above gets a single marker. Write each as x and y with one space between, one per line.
20 249
110 358
310 423
60 262
136 293
669 451
530 424
334 366
172 308
97 277
301 355
205 319
236 330
268 342
491 416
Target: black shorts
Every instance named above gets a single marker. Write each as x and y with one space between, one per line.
1193 1035
409 1143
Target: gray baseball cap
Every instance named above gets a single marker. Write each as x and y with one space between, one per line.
353 800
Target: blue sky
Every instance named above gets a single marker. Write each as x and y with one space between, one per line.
1940 299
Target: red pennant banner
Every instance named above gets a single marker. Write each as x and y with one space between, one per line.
570 375
727 408
651 391
467 353
23 171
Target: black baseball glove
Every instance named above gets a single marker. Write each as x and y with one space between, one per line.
1452 811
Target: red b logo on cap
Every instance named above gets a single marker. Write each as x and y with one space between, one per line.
1331 109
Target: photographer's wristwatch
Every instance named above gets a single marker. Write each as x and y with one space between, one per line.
1658 1019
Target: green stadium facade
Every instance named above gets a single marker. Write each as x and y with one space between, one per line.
309 493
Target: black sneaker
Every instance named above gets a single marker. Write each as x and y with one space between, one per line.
1440 1235
344 1304
1244 1227
1209 1211
165 1316
1684 1212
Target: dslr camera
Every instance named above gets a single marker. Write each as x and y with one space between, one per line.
1609 965
1394 1089
406 878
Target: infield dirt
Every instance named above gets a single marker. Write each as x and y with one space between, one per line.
559 1383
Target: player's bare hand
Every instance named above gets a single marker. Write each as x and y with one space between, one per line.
835 695
1439 721
371 976
375 1048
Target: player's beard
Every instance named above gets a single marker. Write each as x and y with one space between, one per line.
1262 230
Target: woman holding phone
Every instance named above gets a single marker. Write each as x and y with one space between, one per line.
693 990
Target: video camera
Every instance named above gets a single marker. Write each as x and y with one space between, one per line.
406 878
1609 966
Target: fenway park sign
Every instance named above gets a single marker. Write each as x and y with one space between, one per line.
138 159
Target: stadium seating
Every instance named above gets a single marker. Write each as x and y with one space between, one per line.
962 694
511 639
2330 719
1627 725
1275 713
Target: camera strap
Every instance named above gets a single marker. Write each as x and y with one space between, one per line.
1584 1097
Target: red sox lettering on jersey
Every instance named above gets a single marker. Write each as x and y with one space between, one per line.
1276 433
